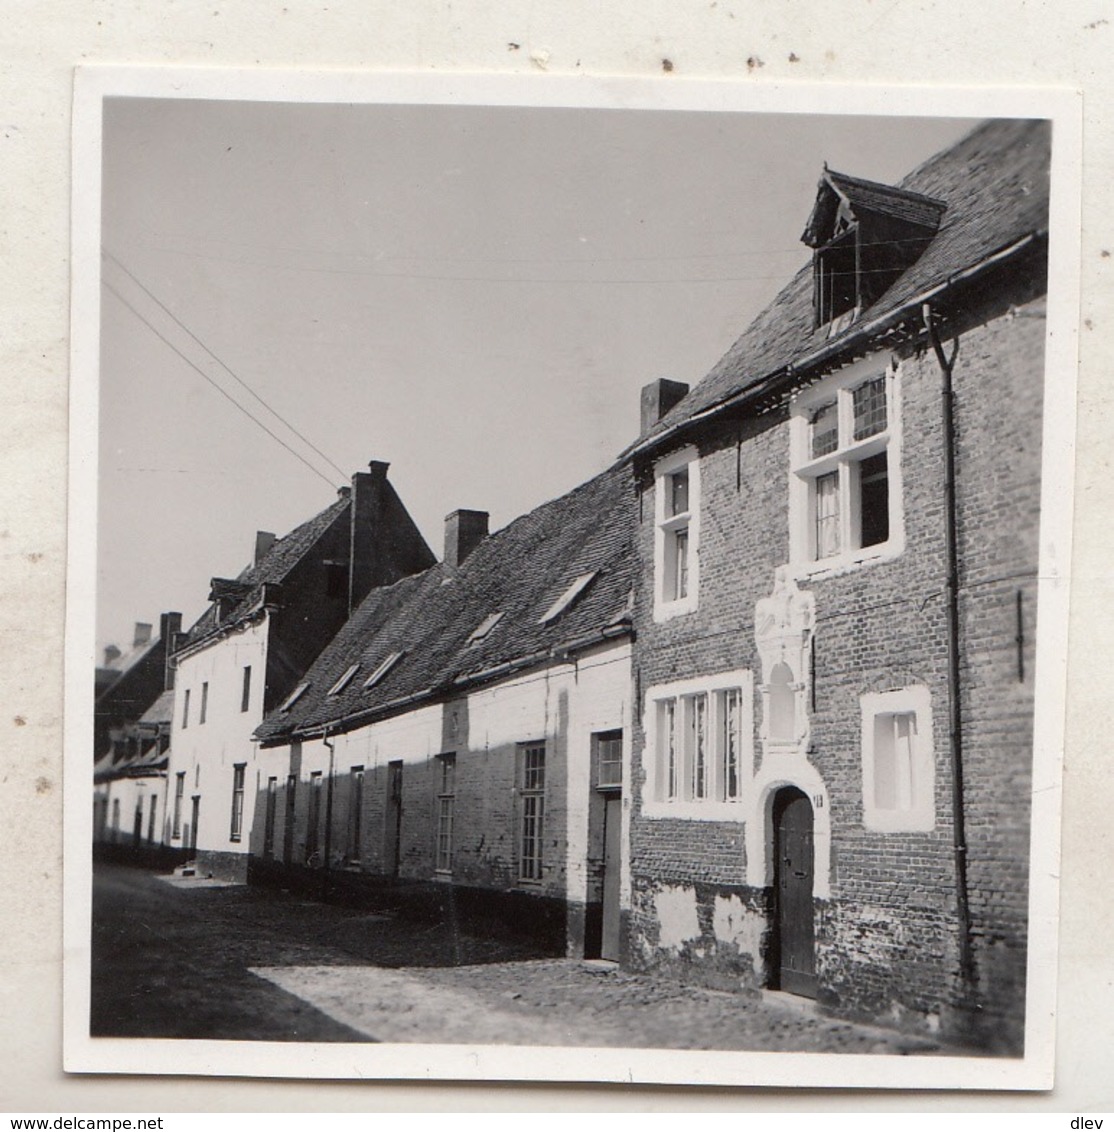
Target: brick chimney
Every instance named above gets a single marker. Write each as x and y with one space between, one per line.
365 547
111 653
264 540
658 398
142 634
170 625
464 531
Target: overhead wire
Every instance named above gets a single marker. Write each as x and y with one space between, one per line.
216 385
220 361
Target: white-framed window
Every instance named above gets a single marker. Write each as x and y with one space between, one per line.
676 534
699 750
845 481
899 765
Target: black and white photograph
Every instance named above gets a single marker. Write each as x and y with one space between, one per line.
570 588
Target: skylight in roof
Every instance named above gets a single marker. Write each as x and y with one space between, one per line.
294 697
383 669
485 627
343 682
567 598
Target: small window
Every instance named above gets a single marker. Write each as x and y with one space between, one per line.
236 830
532 813
898 761
185 709
675 550
344 680
484 628
294 697
382 670
269 818
313 825
567 598
356 819
179 794
245 691
609 759
204 702
446 805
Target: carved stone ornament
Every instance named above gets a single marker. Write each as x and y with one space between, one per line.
784 624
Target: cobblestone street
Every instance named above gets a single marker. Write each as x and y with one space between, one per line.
187 959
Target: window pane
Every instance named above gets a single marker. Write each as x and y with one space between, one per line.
827 515
697 745
874 501
825 430
667 749
533 768
532 814
893 761
609 760
679 493
870 408
681 568
729 743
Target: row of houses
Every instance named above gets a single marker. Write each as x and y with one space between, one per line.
753 706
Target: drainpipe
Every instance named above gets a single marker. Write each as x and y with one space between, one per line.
955 717
328 821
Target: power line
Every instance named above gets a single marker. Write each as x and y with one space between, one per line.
223 392
147 291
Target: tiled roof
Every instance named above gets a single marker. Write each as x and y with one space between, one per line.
162 710
282 557
902 203
995 184
429 618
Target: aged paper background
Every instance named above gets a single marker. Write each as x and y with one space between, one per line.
1066 43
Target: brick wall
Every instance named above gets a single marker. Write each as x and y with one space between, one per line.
886 939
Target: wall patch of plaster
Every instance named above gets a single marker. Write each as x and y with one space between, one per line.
677 920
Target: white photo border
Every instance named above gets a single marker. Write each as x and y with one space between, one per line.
567 1064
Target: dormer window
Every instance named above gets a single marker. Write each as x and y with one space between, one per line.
864 235
344 680
384 667
484 628
294 697
567 598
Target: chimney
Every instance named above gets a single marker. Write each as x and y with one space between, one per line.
464 531
366 550
170 625
264 540
658 398
111 653
142 634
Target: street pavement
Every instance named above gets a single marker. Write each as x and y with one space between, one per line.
194 960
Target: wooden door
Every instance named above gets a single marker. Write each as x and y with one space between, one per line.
793 863
193 821
612 856
392 826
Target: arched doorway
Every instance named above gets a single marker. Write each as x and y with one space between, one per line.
793 955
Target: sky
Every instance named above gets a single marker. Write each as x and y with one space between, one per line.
474 294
